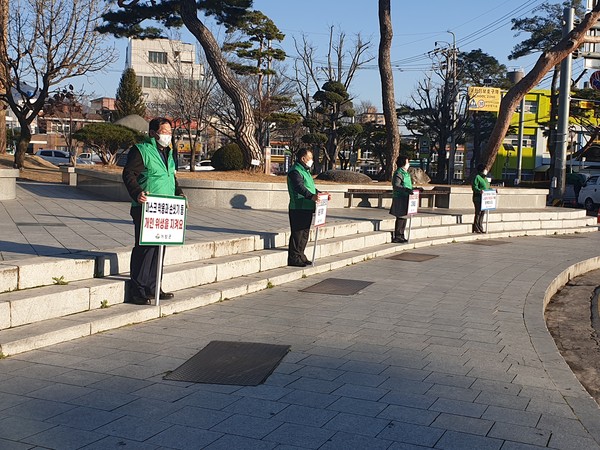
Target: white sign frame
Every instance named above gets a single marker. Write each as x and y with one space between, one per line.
163 220
321 210
413 203
489 199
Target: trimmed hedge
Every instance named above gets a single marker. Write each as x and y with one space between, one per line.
228 157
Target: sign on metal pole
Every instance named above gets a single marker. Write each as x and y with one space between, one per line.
482 98
163 223
413 208
320 216
489 199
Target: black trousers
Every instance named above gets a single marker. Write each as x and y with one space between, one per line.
479 215
300 222
399 227
143 264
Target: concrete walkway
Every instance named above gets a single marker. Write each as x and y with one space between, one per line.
450 353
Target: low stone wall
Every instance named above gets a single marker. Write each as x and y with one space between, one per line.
461 197
242 195
8 184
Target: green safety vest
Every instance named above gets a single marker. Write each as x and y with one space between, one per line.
156 178
298 201
406 182
480 183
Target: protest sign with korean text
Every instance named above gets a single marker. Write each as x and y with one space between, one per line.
413 203
321 209
489 198
163 220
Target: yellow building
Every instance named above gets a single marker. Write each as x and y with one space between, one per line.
535 151
535 155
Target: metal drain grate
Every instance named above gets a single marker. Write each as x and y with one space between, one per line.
224 362
337 286
413 257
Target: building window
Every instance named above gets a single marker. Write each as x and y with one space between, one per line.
529 140
366 154
278 150
157 57
531 107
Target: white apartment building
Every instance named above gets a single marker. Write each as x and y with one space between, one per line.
159 63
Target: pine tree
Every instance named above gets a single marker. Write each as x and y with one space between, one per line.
130 99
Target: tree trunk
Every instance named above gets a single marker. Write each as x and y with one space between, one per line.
387 87
22 145
245 129
3 37
543 65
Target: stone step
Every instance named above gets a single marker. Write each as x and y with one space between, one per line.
54 330
46 302
44 271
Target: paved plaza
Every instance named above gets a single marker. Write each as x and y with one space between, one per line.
448 353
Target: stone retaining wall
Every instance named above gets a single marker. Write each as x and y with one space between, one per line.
242 195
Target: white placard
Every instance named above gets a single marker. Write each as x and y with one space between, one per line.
489 198
163 220
413 203
321 209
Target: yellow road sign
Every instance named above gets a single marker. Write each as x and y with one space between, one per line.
483 98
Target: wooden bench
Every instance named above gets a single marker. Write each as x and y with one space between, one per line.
380 194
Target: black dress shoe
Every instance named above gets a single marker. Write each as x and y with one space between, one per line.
140 300
297 263
163 295
306 261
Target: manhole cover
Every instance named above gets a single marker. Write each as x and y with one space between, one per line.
223 362
488 243
413 257
337 286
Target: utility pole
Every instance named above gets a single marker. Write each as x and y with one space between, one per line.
560 154
267 154
453 108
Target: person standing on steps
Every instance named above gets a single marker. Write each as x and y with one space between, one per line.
479 184
303 198
402 184
150 169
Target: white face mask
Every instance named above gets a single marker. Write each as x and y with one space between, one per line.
164 140
309 164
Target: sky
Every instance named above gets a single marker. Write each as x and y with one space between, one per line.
471 24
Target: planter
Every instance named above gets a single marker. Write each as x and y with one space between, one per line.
8 184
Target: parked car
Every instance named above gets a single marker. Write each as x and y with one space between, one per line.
589 196
90 158
57 157
201 166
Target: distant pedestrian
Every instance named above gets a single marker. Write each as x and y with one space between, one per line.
402 184
150 170
479 184
303 198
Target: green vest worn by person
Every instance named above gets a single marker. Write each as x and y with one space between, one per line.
406 183
298 201
156 178
480 183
